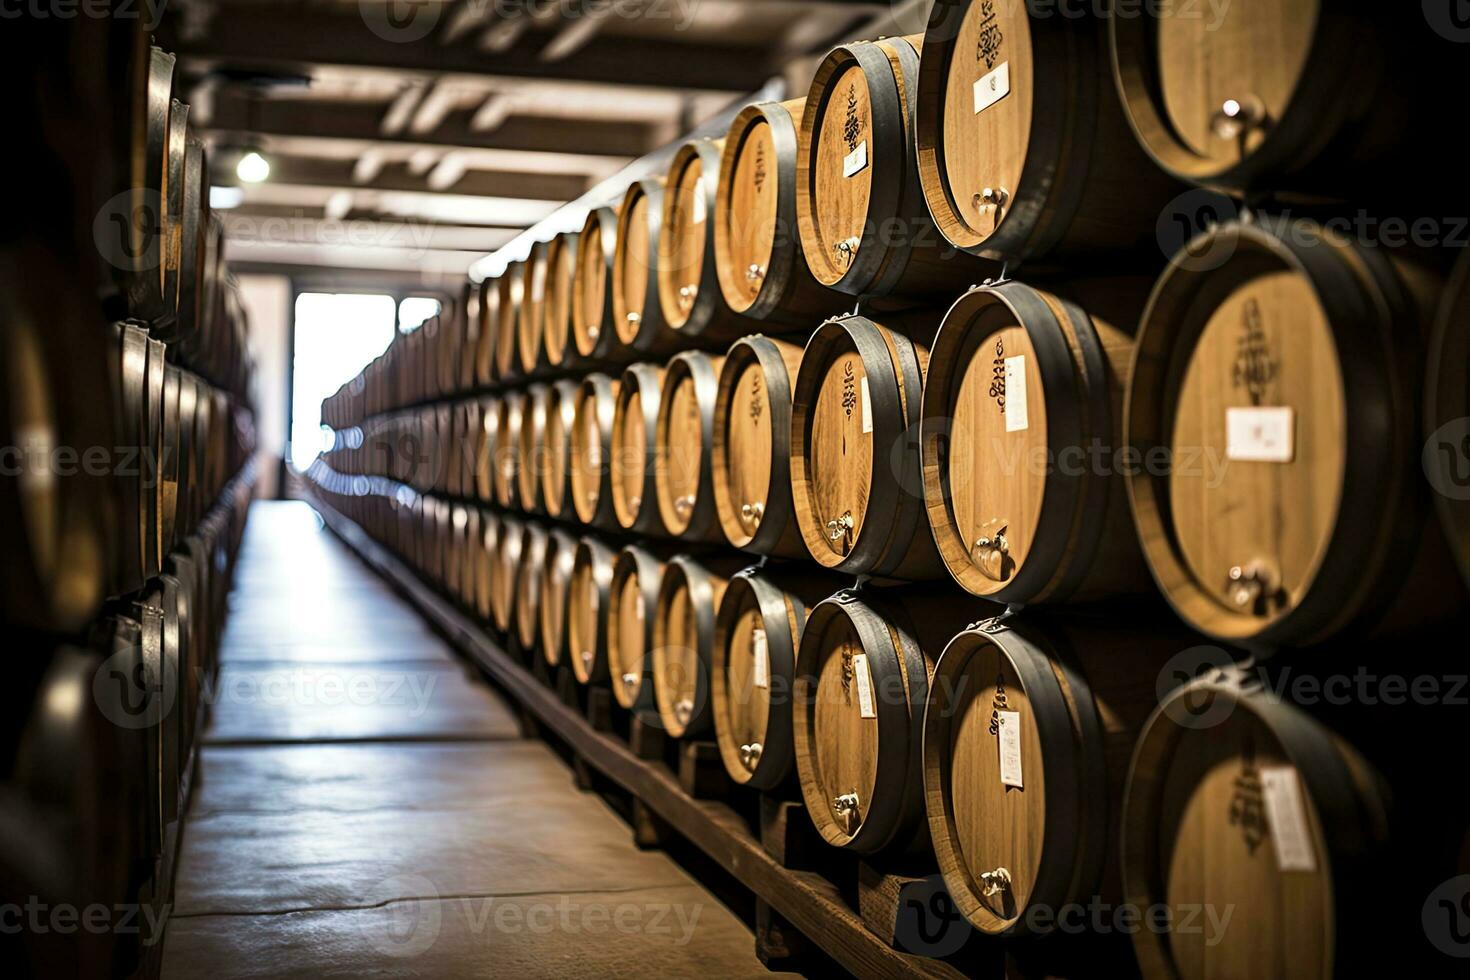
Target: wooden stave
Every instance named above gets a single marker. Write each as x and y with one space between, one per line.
597 394
528 584
783 599
1327 143
509 543
777 534
560 408
530 354
710 319
913 268
702 371
511 287
172 226
603 348
1446 399
485 442
653 337
555 586
468 320
1098 555
633 560
636 382
594 560
487 333
899 827
1079 148
1340 273
455 524
482 554
530 446
908 552
1348 793
790 295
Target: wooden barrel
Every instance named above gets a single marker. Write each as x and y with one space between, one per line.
592 451
1023 152
511 287
751 449
531 322
1027 737
689 595
531 448
857 715
455 549
631 469
556 448
589 604
1447 401
557 350
470 566
1023 411
535 541
594 331
1247 102
505 454
483 555
509 542
762 270
468 324
1273 414
688 277
683 434
864 226
555 586
485 441
854 447
1237 799
757 633
487 333
632 599
638 318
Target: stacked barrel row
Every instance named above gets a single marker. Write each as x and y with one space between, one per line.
574 460
126 432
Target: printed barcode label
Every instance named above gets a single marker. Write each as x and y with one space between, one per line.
762 665
1010 748
864 686
991 88
1288 819
855 161
1017 416
1260 435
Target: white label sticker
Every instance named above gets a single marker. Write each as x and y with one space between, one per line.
1017 416
991 88
1260 435
855 161
699 205
867 401
864 686
1010 748
1288 819
762 660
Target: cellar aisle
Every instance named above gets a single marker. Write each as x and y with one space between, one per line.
365 806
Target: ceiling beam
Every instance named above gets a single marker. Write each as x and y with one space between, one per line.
363 121
297 37
338 175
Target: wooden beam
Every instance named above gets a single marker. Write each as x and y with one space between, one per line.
338 174
363 121
297 37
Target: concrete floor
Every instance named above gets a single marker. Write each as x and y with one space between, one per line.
367 808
